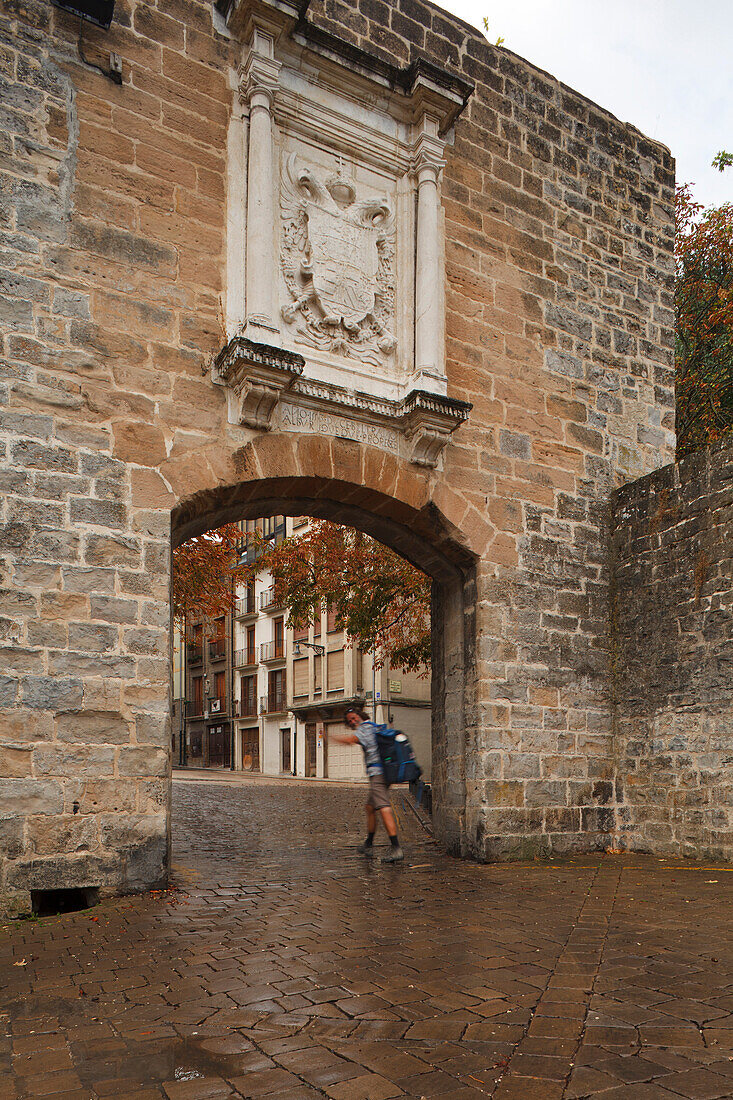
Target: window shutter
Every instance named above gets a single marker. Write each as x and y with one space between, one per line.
300 677
335 671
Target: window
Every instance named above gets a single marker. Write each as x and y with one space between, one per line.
250 647
248 697
220 686
317 674
279 637
218 642
246 604
198 695
331 621
273 527
300 677
335 671
276 690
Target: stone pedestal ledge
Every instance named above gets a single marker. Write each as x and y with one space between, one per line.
428 420
255 375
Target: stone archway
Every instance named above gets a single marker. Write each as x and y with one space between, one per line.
354 484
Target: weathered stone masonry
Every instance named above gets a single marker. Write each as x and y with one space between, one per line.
672 600
113 236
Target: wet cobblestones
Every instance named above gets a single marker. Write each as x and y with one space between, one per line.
285 965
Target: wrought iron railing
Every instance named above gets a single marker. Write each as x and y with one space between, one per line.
275 702
272 651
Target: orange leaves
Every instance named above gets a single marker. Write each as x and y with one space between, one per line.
703 303
204 572
379 599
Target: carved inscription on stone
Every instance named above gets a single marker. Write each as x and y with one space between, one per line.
298 418
337 259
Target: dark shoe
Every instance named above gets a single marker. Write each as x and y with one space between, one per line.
365 849
394 855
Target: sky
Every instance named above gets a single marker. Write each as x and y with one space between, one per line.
666 66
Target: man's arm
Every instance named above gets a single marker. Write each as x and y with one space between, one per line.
343 738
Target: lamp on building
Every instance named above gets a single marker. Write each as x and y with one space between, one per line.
319 650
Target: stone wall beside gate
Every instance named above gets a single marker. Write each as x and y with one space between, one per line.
672 657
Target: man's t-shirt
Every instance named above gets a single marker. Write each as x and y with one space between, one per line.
366 735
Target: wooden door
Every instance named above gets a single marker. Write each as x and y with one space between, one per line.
285 765
310 749
251 749
219 747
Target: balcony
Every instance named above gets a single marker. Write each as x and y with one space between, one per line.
194 708
195 653
217 649
246 708
272 651
274 703
247 605
245 658
268 601
217 705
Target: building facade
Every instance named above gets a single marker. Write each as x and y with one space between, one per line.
261 696
346 261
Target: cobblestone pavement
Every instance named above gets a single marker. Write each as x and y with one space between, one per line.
285 965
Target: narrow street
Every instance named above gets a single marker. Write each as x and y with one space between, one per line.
283 964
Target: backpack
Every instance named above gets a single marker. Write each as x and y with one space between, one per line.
398 759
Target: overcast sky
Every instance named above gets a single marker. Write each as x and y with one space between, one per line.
664 65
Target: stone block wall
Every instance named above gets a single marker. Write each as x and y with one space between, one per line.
559 234
111 227
558 231
672 600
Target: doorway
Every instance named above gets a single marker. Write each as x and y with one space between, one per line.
285 764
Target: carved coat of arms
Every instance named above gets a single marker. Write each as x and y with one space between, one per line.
338 264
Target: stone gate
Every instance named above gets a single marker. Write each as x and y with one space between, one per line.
349 260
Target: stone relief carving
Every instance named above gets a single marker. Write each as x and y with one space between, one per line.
337 258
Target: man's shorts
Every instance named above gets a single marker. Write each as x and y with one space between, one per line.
378 794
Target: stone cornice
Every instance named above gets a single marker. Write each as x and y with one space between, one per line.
258 74
255 376
267 391
425 85
241 354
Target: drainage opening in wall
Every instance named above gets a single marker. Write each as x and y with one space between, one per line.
47 903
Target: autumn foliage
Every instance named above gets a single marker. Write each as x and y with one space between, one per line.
703 322
205 571
379 599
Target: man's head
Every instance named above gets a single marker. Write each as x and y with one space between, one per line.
354 717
